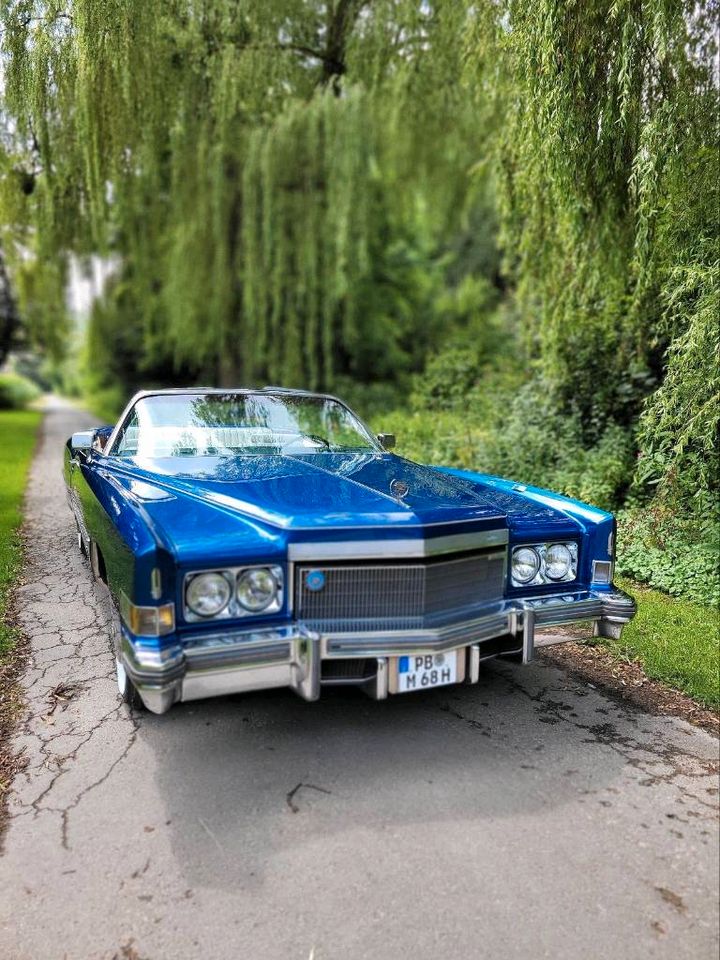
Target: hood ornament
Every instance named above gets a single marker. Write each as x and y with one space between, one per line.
399 489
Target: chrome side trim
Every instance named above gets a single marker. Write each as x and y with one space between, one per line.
554 614
410 526
393 549
149 664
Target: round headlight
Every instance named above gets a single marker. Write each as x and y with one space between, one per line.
256 589
525 564
208 594
558 561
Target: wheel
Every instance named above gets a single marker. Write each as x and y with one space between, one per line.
126 688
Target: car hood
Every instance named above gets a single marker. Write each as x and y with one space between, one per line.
317 496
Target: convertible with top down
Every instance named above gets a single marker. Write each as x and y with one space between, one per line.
258 538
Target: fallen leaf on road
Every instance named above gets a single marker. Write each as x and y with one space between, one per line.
62 693
674 899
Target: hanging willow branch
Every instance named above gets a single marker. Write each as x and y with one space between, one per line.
610 209
242 189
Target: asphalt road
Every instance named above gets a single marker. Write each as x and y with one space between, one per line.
528 816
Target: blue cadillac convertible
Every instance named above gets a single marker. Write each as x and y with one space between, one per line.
265 538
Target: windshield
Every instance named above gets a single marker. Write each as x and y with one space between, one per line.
232 424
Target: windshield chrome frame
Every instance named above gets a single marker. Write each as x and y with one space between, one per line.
220 391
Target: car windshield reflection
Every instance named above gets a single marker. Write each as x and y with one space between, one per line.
240 424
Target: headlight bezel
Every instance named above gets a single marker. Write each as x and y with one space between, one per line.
542 577
234 610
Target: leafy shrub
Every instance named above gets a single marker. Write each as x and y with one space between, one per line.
16 392
369 399
448 378
520 435
679 428
535 443
672 547
441 438
480 359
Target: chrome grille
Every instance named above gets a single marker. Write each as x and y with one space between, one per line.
398 595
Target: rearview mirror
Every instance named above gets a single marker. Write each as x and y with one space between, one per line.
387 440
82 442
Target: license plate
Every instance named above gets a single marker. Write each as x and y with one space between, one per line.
425 672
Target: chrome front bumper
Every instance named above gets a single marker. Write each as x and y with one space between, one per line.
208 665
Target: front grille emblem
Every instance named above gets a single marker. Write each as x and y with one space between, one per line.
315 580
399 489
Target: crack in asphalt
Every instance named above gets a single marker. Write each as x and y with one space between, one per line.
67 618
640 755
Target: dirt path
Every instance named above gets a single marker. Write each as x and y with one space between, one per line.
528 816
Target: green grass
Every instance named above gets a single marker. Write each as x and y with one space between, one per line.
18 430
676 641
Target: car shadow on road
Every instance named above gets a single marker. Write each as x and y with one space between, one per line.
247 778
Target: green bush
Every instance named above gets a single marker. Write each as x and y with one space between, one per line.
518 434
448 378
16 392
674 548
535 443
441 438
369 399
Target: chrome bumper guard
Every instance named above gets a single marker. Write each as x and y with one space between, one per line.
216 664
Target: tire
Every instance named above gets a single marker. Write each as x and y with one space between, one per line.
126 688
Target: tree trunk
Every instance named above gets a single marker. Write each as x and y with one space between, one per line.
340 22
9 319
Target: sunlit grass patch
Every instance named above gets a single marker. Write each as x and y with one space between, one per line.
676 641
18 430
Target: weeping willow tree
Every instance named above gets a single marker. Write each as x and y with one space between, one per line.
262 174
608 183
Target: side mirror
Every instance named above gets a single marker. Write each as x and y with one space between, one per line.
387 440
81 443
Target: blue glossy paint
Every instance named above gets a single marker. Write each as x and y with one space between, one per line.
188 513
537 515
